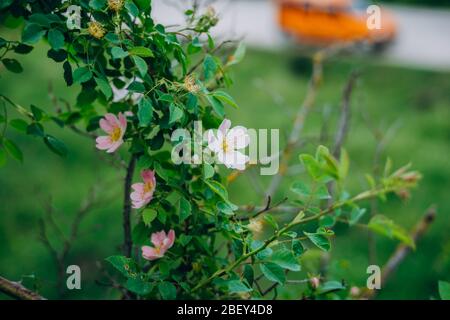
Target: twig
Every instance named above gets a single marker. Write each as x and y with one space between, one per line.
403 250
261 210
299 120
60 256
344 122
360 197
127 242
18 291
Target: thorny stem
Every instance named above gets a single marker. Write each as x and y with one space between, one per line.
127 242
360 197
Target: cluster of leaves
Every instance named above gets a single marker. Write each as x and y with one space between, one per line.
170 78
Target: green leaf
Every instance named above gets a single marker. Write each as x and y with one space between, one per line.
386 227
321 241
12 65
104 86
270 220
35 129
55 39
175 113
148 215
136 86
141 52
132 8
184 239
327 221
118 53
218 189
225 98
273 272
184 209
139 286
12 149
82 74
68 73
167 290
226 208
238 55
301 189
217 105
444 290
311 165
22 48
285 259
32 33
299 217
208 171
355 215
322 193
97 4
37 113
124 265
236 286
209 67
141 65
145 112
19 125
249 274
297 248
330 286
57 146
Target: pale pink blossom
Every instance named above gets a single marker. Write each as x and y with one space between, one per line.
143 191
115 127
161 243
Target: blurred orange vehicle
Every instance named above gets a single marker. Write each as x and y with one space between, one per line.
333 21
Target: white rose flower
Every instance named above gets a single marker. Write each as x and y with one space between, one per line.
227 143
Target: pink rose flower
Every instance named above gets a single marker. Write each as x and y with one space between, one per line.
161 242
115 128
143 191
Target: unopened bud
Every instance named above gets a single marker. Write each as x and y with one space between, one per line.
315 282
355 292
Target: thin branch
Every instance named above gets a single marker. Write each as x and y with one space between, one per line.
360 197
403 250
127 242
261 210
302 113
18 291
344 122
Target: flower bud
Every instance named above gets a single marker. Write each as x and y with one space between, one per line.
315 282
355 292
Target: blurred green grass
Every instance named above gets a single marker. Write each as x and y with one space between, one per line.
269 88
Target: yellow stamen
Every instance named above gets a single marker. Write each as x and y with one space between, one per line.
96 29
225 146
148 186
115 134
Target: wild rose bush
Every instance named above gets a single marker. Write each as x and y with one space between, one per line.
141 81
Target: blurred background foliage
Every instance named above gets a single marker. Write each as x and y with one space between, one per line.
269 88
